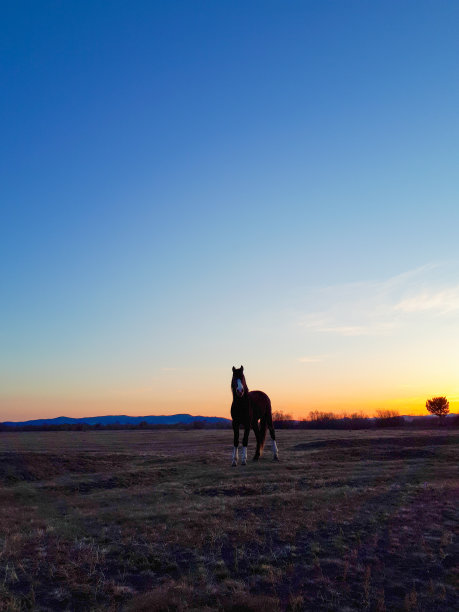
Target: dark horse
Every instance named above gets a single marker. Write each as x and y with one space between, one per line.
250 409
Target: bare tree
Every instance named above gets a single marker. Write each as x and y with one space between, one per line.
280 415
387 414
317 415
388 418
438 406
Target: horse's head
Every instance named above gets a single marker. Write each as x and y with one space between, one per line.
238 384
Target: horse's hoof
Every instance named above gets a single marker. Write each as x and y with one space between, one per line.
243 463
275 458
255 458
234 464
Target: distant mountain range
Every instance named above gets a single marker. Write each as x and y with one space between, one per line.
122 419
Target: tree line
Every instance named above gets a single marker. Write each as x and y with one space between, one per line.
318 419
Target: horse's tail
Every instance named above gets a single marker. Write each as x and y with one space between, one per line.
269 417
263 425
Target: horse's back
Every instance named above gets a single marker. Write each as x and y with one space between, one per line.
259 400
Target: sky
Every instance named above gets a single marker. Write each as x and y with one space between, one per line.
188 186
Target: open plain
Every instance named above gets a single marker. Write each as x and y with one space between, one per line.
159 520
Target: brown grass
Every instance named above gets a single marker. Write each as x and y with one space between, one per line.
145 520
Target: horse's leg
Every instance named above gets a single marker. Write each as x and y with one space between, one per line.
236 442
256 431
245 441
273 437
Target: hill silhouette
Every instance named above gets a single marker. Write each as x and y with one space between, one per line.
123 419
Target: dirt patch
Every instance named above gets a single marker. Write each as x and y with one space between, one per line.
368 454
384 442
123 480
32 467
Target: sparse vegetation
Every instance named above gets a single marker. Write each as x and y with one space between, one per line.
279 416
389 418
158 520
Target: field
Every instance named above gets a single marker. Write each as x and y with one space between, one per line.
159 520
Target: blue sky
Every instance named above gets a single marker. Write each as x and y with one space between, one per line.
188 186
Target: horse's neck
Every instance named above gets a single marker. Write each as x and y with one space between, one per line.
241 401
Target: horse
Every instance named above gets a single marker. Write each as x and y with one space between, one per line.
247 409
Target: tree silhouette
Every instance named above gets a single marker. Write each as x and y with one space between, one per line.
438 406
280 415
388 418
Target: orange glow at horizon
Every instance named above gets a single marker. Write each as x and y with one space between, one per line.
23 408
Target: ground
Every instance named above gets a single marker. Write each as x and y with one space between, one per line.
159 520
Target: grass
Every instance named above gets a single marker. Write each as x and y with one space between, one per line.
158 520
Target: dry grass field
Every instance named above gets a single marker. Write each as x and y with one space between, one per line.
159 520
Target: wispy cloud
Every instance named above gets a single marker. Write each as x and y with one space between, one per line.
378 307
347 330
442 302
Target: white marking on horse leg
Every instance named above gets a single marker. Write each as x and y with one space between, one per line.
244 455
275 450
234 456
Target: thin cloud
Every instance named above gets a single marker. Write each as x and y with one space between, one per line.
346 330
372 329
443 302
378 308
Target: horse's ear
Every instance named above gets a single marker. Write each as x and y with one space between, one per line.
242 368
234 369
